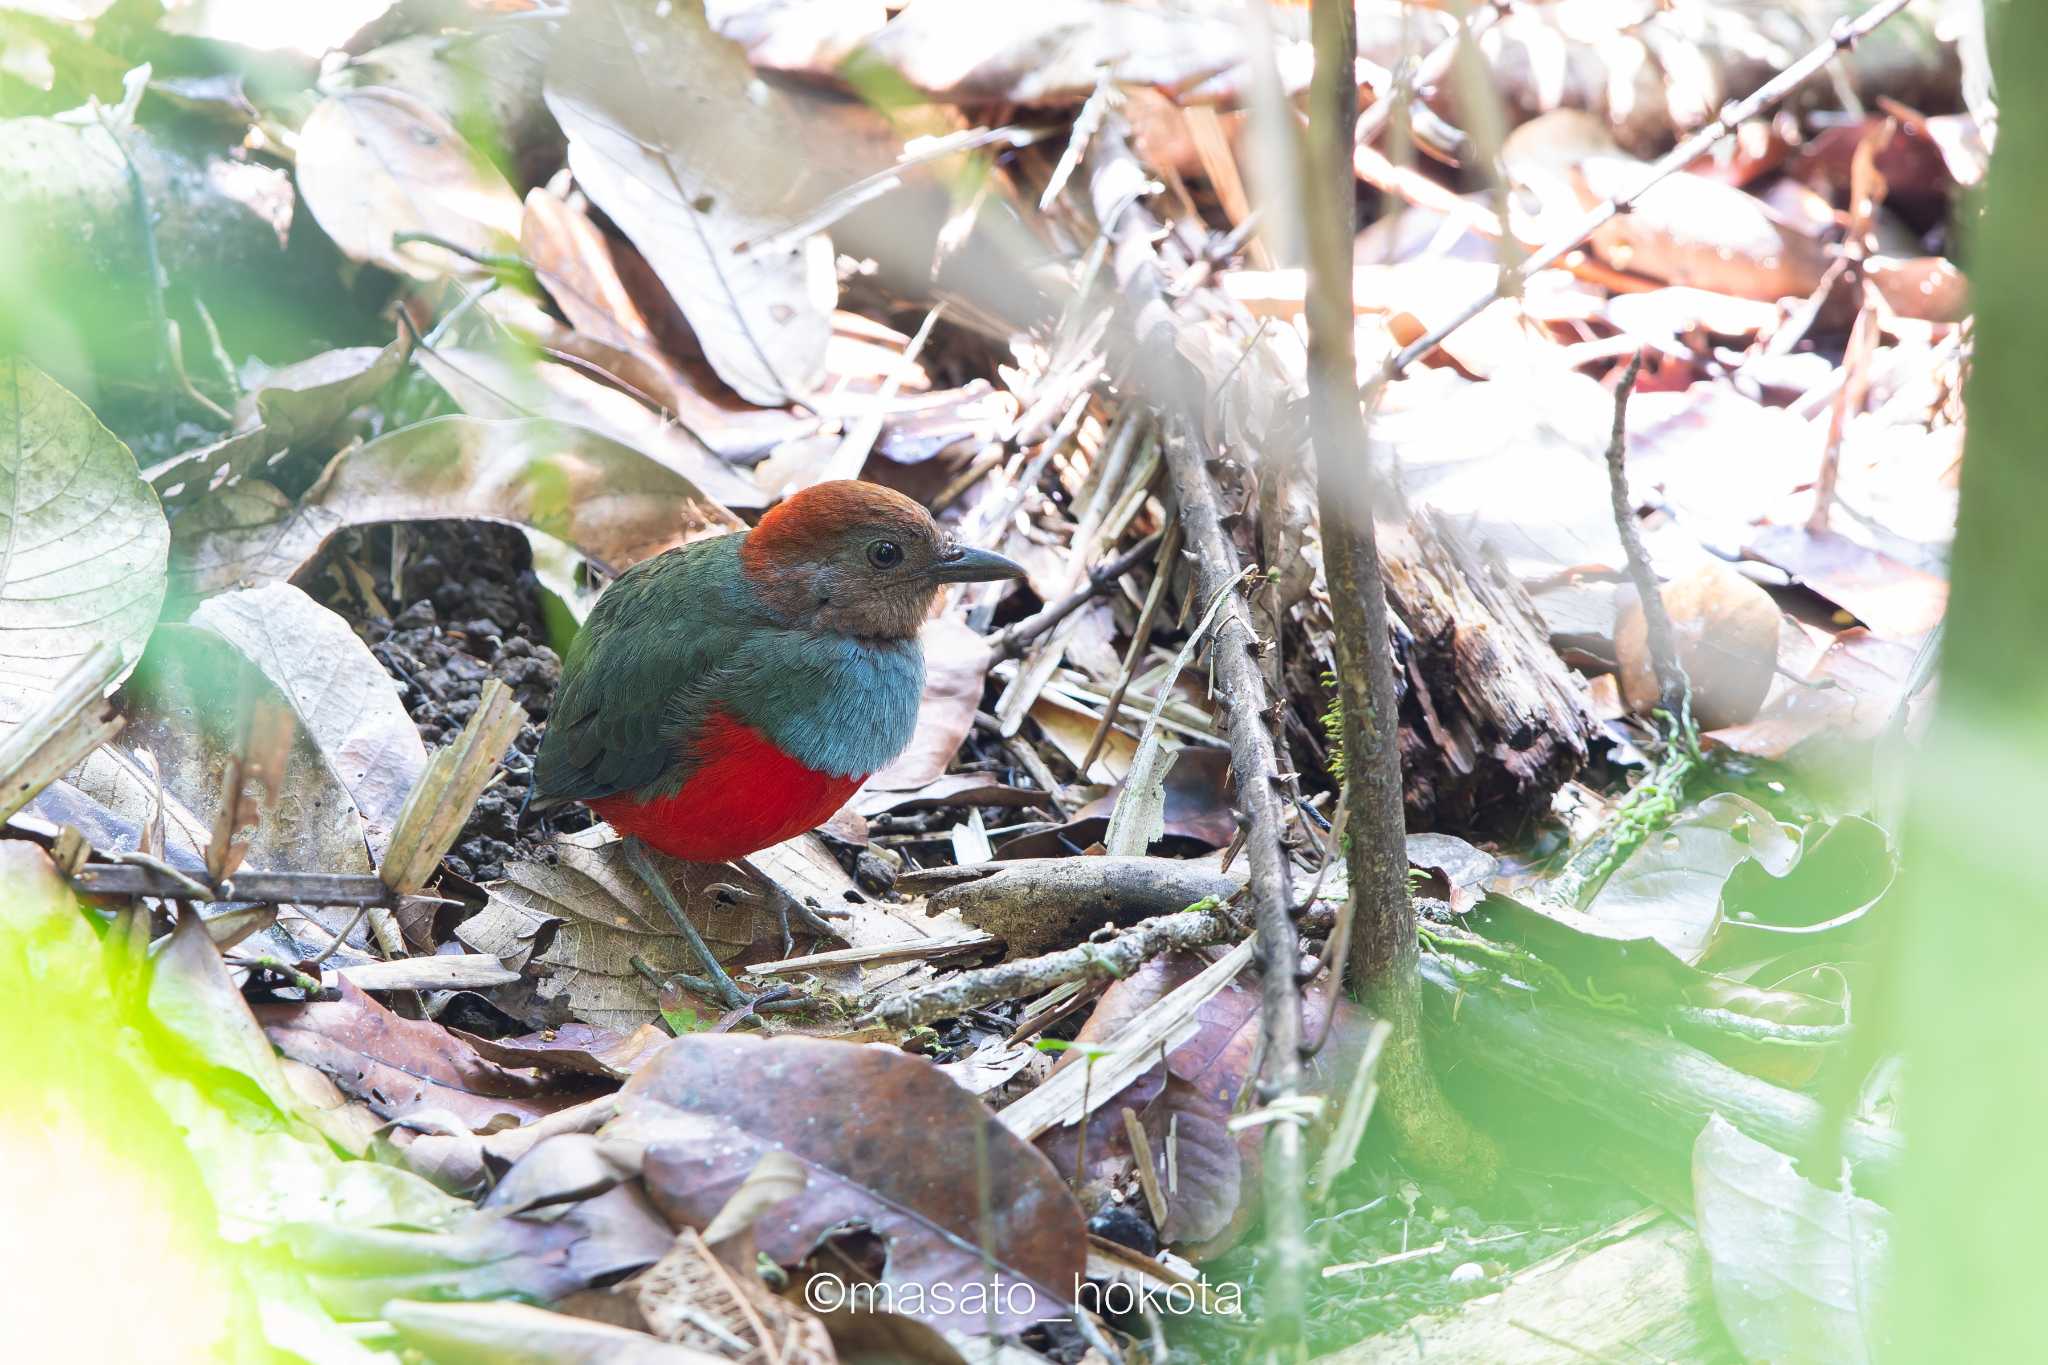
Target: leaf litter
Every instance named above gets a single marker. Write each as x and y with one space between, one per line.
585 301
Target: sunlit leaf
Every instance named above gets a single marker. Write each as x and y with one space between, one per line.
375 163
633 85
83 540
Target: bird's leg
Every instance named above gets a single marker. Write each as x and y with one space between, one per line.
785 906
729 995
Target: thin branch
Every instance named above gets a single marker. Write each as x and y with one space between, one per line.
1169 383
1013 639
1382 948
1671 681
1196 927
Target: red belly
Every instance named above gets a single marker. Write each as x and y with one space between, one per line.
744 797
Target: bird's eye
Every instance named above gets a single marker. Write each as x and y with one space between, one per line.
885 554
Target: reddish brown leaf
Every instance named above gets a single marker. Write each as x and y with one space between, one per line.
889 1145
1894 599
399 1065
1190 1100
582 1048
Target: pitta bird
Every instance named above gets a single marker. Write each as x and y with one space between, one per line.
732 693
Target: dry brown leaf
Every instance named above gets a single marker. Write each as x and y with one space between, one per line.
374 163
501 385
709 1106
1895 600
629 84
602 916
336 687
611 502
398 1066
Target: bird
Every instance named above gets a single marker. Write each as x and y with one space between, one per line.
729 694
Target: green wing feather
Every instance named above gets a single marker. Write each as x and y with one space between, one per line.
641 676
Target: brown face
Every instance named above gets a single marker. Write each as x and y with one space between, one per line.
858 559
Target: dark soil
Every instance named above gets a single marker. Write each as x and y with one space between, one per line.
465 608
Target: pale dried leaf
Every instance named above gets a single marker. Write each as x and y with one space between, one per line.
373 163
83 542
630 85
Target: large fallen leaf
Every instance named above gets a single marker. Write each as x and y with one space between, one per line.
575 262
1187 1103
1843 870
489 1254
399 1066
485 81
1670 886
292 407
299 402
341 694
82 541
589 916
520 1334
1801 1273
493 384
1848 695
186 706
167 1106
1894 599
375 163
710 1106
611 502
632 85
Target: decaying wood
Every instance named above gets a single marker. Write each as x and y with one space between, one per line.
1492 722
1039 904
293 888
1637 1291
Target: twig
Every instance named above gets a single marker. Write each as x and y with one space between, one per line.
1434 66
1148 1179
1671 679
1141 636
1766 96
1196 927
1131 1053
136 875
1171 386
1012 639
1035 767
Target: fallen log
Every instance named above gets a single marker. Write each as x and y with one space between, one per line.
1491 720
1643 1083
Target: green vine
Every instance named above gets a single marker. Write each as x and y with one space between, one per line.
1649 807
1505 960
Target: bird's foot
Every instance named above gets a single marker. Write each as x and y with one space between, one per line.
715 983
784 906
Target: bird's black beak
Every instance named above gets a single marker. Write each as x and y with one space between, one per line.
960 565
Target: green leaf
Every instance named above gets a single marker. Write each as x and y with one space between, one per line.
83 541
